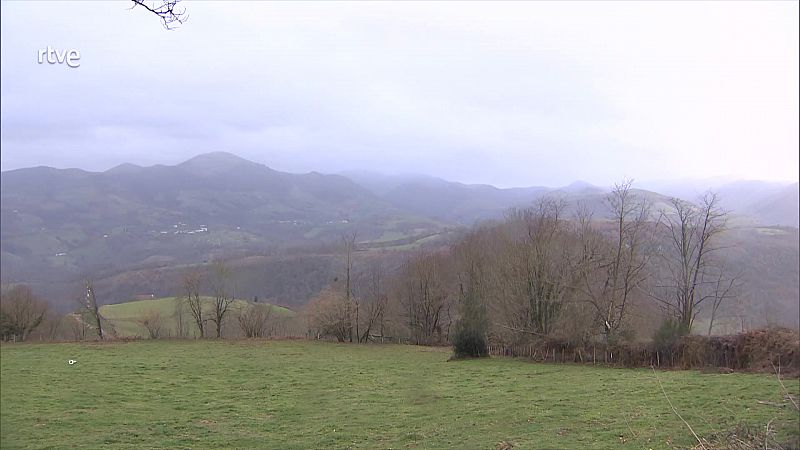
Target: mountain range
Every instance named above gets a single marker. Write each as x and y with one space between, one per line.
134 223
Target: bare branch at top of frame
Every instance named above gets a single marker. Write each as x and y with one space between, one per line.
170 13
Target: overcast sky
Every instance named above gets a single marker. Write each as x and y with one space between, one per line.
512 94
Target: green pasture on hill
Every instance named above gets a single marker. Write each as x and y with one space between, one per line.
126 318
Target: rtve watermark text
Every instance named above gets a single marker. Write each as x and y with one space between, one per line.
70 57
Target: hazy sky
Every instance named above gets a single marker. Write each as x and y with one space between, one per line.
518 93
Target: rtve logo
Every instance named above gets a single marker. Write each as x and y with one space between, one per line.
71 57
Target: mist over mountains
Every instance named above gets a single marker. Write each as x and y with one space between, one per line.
757 202
134 227
767 202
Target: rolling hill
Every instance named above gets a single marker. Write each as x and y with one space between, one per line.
777 208
59 225
446 200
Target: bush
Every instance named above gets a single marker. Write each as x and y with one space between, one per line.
255 320
762 349
153 323
668 335
469 343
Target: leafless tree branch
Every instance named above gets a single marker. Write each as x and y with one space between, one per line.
168 11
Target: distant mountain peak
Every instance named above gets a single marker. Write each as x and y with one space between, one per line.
579 185
217 157
124 168
216 162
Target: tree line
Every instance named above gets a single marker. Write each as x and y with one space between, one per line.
550 270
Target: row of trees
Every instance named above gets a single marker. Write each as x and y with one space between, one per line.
253 320
552 270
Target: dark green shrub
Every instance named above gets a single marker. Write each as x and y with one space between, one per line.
469 343
469 338
667 336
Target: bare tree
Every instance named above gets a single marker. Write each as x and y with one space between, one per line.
722 288
168 11
20 312
254 320
538 275
426 297
151 321
178 313
91 309
329 315
220 280
691 233
192 279
52 325
371 299
78 326
613 270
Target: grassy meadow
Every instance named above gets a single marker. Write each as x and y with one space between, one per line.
308 395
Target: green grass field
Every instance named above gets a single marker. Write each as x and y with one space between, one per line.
126 317
308 395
